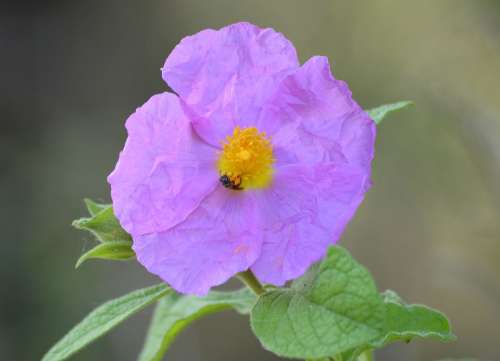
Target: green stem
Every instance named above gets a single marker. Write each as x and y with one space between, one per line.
249 279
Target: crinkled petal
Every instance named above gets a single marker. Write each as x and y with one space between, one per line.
226 75
164 171
312 118
222 237
305 211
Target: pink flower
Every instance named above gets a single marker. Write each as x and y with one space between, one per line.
257 162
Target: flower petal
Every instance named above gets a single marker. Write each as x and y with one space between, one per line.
220 238
305 211
164 170
226 76
312 118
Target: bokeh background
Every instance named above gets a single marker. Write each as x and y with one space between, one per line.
72 71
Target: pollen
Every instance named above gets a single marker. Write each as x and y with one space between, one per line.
246 159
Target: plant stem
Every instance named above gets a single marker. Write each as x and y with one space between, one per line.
249 279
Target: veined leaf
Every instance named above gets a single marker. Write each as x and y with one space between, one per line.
404 322
333 308
175 312
103 319
379 113
112 250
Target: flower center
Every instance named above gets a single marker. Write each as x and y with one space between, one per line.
246 159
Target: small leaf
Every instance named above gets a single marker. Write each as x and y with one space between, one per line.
379 113
113 250
175 312
103 319
104 225
333 308
404 322
94 207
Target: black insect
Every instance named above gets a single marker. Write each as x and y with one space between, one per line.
228 183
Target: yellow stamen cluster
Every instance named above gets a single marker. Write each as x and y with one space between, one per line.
247 158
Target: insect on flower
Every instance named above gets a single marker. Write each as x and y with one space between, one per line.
228 182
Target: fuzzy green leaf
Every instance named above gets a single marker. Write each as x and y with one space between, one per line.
333 308
379 113
175 312
103 225
404 322
94 207
103 319
112 250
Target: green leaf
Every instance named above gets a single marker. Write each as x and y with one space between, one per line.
94 207
379 113
103 319
104 226
175 312
404 322
112 250
333 308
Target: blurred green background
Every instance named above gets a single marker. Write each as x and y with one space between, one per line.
72 71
